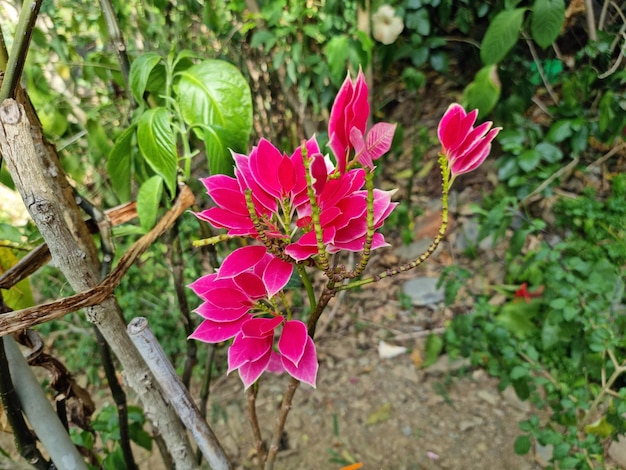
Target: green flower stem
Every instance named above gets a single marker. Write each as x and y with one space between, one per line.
315 216
369 236
212 240
4 54
306 280
21 42
445 174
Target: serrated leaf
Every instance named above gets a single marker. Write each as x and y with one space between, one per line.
214 95
501 35
484 91
546 21
157 143
140 71
148 200
119 164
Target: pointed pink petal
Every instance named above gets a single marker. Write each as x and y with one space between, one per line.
319 175
220 314
304 248
216 332
306 370
264 165
275 365
379 139
476 155
293 340
222 218
358 142
240 260
336 123
245 350
226 193
201 285
261 327
226 297
264 202
251 371
251 284
276 275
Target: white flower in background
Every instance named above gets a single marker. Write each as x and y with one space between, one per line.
387 26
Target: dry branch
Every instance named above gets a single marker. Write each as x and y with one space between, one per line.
40 180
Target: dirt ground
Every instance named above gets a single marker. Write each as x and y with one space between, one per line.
384 413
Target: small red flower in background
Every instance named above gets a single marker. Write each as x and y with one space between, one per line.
523 292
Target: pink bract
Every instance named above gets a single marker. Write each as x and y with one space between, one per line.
464 145
350 110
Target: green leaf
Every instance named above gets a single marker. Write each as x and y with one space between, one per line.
484 91
522 444
529 160
559 131
148 200
214 95
546 21
549 153
140 71
119 164
501 35
157 143
19 296
434 346
516 317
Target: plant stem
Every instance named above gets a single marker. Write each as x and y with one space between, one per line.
117 41
205 389
21 42
176 260
254 422
429 251
306 280
369 236
279 425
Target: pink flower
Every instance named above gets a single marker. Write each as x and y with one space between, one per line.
277 183
343 217
464 145
252 351
350 110
231 309
246 276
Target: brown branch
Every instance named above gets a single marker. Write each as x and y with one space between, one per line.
28 317
39 256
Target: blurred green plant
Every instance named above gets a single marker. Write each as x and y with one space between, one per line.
559 343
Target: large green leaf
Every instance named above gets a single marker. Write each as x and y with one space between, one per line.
140 71
157 143
148 200
501 35
484 91
119 164
546 21
213 94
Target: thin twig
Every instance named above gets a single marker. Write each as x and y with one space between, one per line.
542 74
176 261
21 42
591 20
28 317
254 423
557 174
